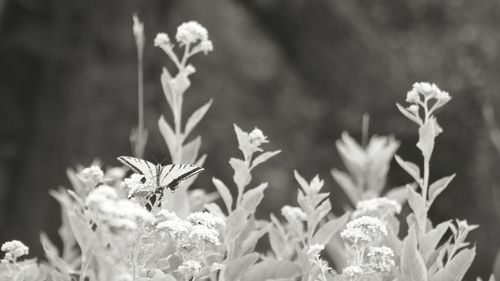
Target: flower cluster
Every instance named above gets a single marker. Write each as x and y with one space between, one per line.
92 175
13 250
363 230
293 214
189 269
199 230
381 259
419 96
353 273
377 207
116 213
138 185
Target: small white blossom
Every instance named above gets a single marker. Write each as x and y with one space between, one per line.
117 213
352 272
412 96
176 228
257 137
363 230
206 46
315 249
92 174
189 269
162 40
166 215
381 259
203 234
13 250
206 219
293 214
377 207
137 184
426 89
190 33
413 109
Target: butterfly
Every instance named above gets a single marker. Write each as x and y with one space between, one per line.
168 176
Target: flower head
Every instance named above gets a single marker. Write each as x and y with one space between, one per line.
315 249
206 219
138 185
189 269
92 174
13 250
190 33
162 40
201 234
363 230
381 259
352 272
293 214
257 137
377 207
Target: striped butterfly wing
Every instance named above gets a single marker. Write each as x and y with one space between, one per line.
140 166
172 175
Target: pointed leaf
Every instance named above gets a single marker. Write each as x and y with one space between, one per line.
168 135
241 175
455 269
196 117
251 199
409 167
326 231
237 267
409 115
417 204
427 134
264 157
398 194
412 265
224 193
347 185
167 89
439 186
190 151
430 240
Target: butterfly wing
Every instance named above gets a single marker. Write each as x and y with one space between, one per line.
171 175
140 166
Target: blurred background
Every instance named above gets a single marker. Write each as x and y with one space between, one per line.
302 71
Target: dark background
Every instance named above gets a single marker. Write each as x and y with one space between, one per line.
301 70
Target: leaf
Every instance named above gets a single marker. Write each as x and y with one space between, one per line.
318 214
438 187
347 185
326 231
234 269
236 223
417 204
264 157
409 167
399 194
252 198
168 135
427 134
455 269
167 89
190 151
302 182
251 241
241 175
272 269
224 193
52 255
430 240
196 117
412 265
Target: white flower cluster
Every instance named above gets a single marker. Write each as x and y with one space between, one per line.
293 214
92 175
377 207
189 269
138 186
353 273
257 137
13 250
188 34
427 91
381 259
315 249
362 231
117 213
199 230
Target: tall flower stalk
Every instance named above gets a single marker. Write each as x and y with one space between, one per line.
139 135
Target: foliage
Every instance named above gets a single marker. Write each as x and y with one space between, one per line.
109 234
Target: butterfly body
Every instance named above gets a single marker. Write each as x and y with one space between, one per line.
168 176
